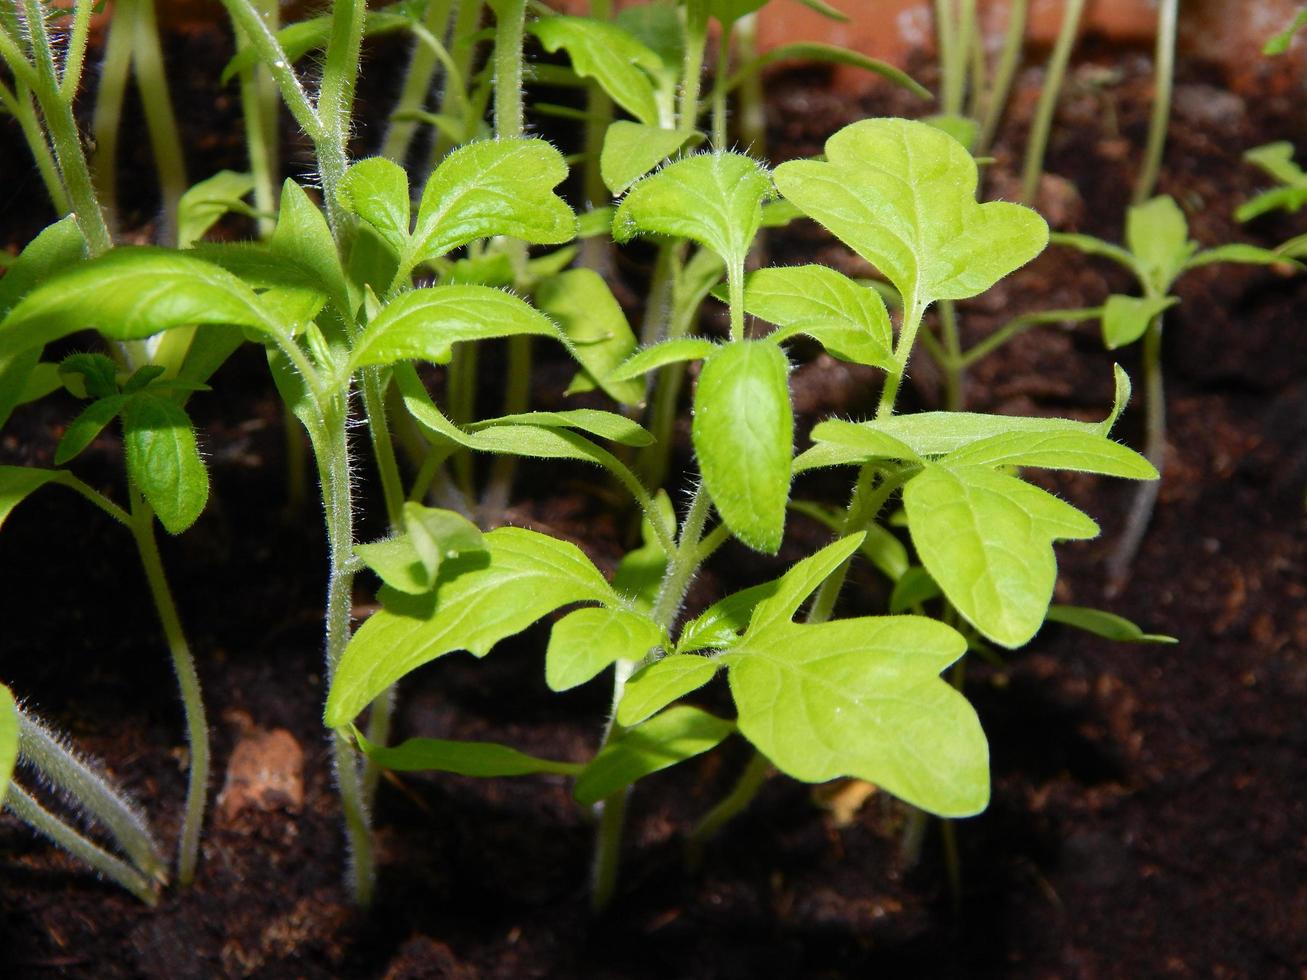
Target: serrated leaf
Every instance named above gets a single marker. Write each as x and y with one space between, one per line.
631 150
848 320
488 188
1066 449
376 190
478 600
863 698
163 460
1126 318
743 434
677 734
479 759
1105 624
801 581
660 355
619 62
17 482
88 375
424 324
656 685
1157 234
585 309
203 204
606 425
8 739
902 195
585 641
987 539
131 293
82 431
714 199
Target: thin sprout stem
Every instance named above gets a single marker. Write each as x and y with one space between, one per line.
752 107
19 105
696 39
1008 63
462 48
1037 145
261 35
421 70
28 810
336 105
954 368
188 681
75 55
597 251
160 121
756 772
720 73
259 108
953 80
107 117
1019 325
1161 115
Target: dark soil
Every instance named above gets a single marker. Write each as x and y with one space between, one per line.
1150 802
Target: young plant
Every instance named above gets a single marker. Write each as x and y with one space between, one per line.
1158 252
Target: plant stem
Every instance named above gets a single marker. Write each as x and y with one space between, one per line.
166 144
696 38
107 118
259 108
417 84
188 682
1008 62
19 105
954 367
28 810
1165 72
336 103
597 251
752 105
1145 496
912 314
260 34
756 772
462 47
1037 144
720 72
61 766
952 79
64 136
75 54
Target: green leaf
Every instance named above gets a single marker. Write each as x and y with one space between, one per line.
617 61
585 641
88 375
863 697
964 129
729 11
43 379
1238 253
721 624
488 188
902 195
848 320
1289 199
631 150
656 685
677 734
303 237
132 293
584 307
479 600
480 759
1157 234
1276 159
826 10
16 482
410 562
424 324
660 355
1105 624
163 461
743 434
842 442
1279 43
987 539
881 547
914 587
203 204
82 431
396 563
1064 449
8 739
1095 246
376 190
1126 318
714 199
801 581
606 425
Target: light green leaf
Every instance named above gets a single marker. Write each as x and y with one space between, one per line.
424 324
376 190
863 697
57 247
621 65
729 11
881 547
848 320
851 442
163 461
1276 160
488 188
720 625
1064 449
585 641
714 199
1126 318
480 759
1105 624
584 307
396 563
677 734
410 562
1095 246
987 539
202 205
1157 234
826 10
1279 43
914 587
303 237
479 600
16 482
1239 254
631 150
655 686
131 293
659 355
801 581
606 425
964 129
8 739
743 434
1289 199
902 195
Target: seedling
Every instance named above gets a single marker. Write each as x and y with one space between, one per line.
1158 252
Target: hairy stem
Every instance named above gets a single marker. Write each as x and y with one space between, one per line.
1008 63
336 104
720 73
1037 144
1165 72
696 39
160 121
188 682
